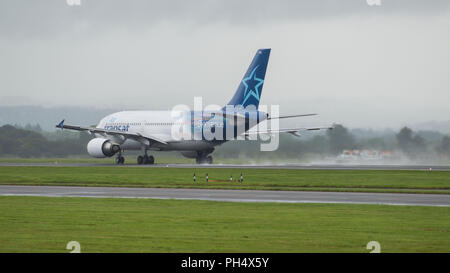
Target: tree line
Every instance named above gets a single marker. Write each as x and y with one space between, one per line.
31 141
26 143
413 145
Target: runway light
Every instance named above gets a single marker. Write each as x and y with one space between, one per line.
241 178
206 177
195 177
231 178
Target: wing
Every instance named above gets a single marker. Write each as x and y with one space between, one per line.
242 116
147 140
293 131
292 116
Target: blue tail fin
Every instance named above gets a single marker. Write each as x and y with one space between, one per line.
250 88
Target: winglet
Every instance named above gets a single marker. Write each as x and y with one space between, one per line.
61 124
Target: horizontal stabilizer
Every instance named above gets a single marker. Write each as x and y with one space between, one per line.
293 131
293 116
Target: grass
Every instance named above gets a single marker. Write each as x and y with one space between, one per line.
43 224
255 179
87 159
161 158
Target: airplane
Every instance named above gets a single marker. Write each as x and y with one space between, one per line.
153 130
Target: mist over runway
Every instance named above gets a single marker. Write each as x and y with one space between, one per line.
244 166
231 195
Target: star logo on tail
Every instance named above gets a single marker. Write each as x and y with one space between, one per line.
252 83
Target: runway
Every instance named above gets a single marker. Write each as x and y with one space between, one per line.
231 195
244 166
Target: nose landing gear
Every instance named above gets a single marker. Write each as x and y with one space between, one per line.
120 159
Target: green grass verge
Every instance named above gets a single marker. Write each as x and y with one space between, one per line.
255 179
167 159
43 224
161 158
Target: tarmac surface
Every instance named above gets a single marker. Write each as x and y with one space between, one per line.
231 195
248 166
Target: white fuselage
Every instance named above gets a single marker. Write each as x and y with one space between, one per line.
154 124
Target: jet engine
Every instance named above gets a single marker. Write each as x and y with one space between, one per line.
102 147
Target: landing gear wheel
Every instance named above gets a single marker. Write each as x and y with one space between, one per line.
145 159
151 160
140 160
200 160
204 160
209 160
120 160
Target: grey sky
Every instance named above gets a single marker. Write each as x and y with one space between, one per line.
364 66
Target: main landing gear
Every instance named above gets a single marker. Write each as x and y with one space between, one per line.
201 159
145 159
120 159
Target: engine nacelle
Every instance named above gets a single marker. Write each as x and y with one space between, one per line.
102 147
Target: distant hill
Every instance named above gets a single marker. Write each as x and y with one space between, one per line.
47 118
440 126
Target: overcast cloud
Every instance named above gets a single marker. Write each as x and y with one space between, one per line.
360 65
